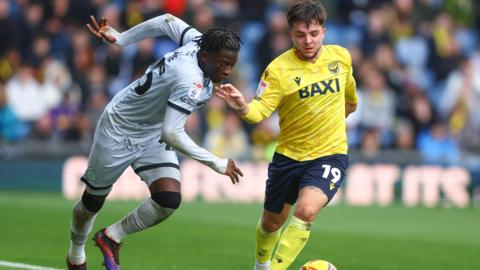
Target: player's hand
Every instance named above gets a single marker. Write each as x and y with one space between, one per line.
233 97
233 172
100 30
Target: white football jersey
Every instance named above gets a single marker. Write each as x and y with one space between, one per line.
158 102
138 110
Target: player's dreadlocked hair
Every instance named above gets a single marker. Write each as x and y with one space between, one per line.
218 38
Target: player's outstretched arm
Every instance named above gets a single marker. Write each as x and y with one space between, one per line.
173 133
102 30
233 97
163 25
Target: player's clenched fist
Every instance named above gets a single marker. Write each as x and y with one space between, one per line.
100 29
233 172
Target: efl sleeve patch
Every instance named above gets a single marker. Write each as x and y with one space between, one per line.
262 86
187 96
195 90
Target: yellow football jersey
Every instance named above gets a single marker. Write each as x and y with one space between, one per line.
310 99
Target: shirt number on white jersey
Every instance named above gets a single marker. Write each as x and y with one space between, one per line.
142 88
336 173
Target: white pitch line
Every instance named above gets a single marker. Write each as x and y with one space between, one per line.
25 266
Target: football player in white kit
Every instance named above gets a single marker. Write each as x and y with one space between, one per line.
143 126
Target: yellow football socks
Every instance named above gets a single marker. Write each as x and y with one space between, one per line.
293 239
265 243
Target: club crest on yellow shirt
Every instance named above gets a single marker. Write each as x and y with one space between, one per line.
333 67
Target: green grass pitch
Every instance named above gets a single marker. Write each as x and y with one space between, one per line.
35 230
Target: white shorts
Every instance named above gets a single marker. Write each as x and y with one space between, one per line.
109 158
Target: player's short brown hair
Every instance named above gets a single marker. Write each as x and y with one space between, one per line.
306 11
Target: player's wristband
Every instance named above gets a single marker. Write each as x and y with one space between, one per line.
220 165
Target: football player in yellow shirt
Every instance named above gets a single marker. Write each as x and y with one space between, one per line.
313 89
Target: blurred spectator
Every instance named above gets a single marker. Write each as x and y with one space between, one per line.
32 23
227 13
275 40
175 7
96 104
96 79
477 18
214 113
424 12
370 145
112 12
375 32
353 11
416 107
404 136
203 17
384 59
438 147
416 63
132 14
463 12
143 58
8 31
253 10
412 54
195 127
82 129
39 50
61 44
444 48
400 19
152 8
112 64
29 97
460 104
377 107
56 74
42 129
263 137
63 118
229 140
9 64
11 128
463 86
82 62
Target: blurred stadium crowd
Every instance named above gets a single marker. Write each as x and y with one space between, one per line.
416 62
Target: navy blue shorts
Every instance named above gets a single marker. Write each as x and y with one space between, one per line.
287 176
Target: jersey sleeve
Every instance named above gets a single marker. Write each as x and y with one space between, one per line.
173 133
266 100
164 25
185 96
350 86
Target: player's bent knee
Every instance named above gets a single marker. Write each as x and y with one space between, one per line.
93 203
307 214
167 199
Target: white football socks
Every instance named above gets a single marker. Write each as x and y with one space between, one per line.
146 215
82 223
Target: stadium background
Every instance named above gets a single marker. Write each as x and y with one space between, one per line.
417 66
